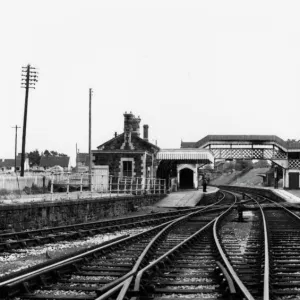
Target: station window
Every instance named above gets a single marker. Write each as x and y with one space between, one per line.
127 168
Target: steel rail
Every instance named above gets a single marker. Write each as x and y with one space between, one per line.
89 225
171 251
266 294
164 256
105 289
123 286
281 206
266 252
82 255
25 277
229 267
148 248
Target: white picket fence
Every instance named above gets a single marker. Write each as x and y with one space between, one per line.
12 183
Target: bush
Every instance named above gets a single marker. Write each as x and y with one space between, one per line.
3 192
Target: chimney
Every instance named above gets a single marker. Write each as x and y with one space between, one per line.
136 125
145 137
116 134
128 118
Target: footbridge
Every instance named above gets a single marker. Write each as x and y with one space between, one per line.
286 154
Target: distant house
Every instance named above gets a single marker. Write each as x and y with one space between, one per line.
48 162
7 165
82 162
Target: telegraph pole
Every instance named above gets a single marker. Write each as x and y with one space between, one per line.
29 78
16 138
90 138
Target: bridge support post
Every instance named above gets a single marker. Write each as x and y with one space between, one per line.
283 178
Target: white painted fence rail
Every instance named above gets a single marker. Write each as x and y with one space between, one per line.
81 185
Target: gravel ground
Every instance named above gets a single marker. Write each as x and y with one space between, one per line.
24 258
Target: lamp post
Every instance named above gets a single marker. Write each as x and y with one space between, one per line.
29 78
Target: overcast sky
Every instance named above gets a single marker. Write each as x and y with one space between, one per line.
187 68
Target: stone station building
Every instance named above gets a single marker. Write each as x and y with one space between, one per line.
130 155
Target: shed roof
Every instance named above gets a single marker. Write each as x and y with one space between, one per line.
9 163
198 155
187 144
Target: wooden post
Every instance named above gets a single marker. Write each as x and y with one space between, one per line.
110 184
25 120
81 183
90 138
51 190
159 187
68 185
118 185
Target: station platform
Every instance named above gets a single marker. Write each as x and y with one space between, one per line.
291 196
19 199
185 198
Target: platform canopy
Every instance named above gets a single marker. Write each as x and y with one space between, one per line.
196 155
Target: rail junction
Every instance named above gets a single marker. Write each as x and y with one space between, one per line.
196 253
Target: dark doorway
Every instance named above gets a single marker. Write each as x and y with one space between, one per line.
294 180
186 179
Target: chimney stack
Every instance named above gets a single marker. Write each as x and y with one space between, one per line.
136 125
145 137
128 118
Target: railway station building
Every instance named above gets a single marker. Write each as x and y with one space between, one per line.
128 154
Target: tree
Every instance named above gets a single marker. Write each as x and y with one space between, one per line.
53 153
34 158
47 153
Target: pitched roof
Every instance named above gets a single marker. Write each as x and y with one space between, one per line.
52 161
10 162
289 144
200 155
109 141
121 135
187 144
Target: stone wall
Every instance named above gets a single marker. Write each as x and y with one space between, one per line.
39 215
209 198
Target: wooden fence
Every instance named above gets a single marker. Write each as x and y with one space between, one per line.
12 183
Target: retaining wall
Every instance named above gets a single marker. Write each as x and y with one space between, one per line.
209 198
38 215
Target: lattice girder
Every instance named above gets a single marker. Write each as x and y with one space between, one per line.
231 153
294 163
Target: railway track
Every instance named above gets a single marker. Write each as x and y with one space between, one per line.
207 265
89 275
284 238
32 238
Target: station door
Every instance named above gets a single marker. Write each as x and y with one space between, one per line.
293 180
186 179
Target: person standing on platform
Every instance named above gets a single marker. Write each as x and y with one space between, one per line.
204 183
